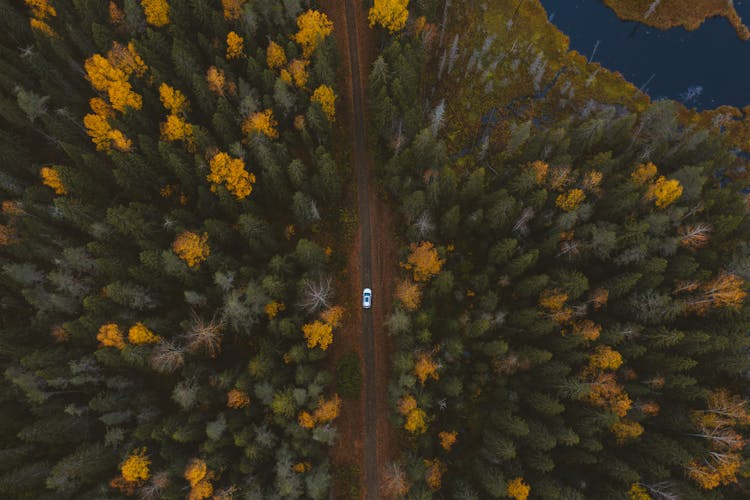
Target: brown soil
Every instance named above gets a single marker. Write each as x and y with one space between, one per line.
384 262
670 13
349 447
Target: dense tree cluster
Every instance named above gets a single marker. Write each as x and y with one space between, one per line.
571 320
166 185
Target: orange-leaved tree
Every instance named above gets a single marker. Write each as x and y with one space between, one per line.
434 473
409 293
425 368
447 439
235 45
233 9
237 399
261 122
140 334
726 290
191 247
518 489
135 468
110 335
51 178
423 260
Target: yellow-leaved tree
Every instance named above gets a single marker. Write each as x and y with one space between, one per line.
390 14
233 8
135 468
518 489
318 334
325 96
156 12
664 191
199 477
313 26
41 10
231 172
447 439
261 122
638 492
51 179
425 367
626 430
235 45
140 334
176 129
110 335
275 56
409 293
191 247
569 201
172 99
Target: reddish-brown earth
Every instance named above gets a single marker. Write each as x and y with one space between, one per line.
351 446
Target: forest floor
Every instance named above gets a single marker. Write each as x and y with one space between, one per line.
366 440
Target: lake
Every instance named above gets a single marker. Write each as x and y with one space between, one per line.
704 68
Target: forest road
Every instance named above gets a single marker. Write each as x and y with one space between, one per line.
363 211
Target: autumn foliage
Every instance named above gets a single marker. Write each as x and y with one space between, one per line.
51 179
235 45
447 439
313 26
324 96
518 489
237 399
425 368
416 418
275 56
110 335
156 12
261 122
232 174
390 14
191 247
409 293
233 8
135 469
139 334
423 261
570 200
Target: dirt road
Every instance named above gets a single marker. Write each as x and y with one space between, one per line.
363 203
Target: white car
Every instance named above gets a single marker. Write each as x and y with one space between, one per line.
366 298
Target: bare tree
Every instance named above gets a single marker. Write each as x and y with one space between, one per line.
395 482
205 335
154 489
424 225
167 357
316 294
523 220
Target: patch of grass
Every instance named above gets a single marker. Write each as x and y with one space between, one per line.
349 376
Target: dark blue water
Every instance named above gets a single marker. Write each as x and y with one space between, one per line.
711 62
